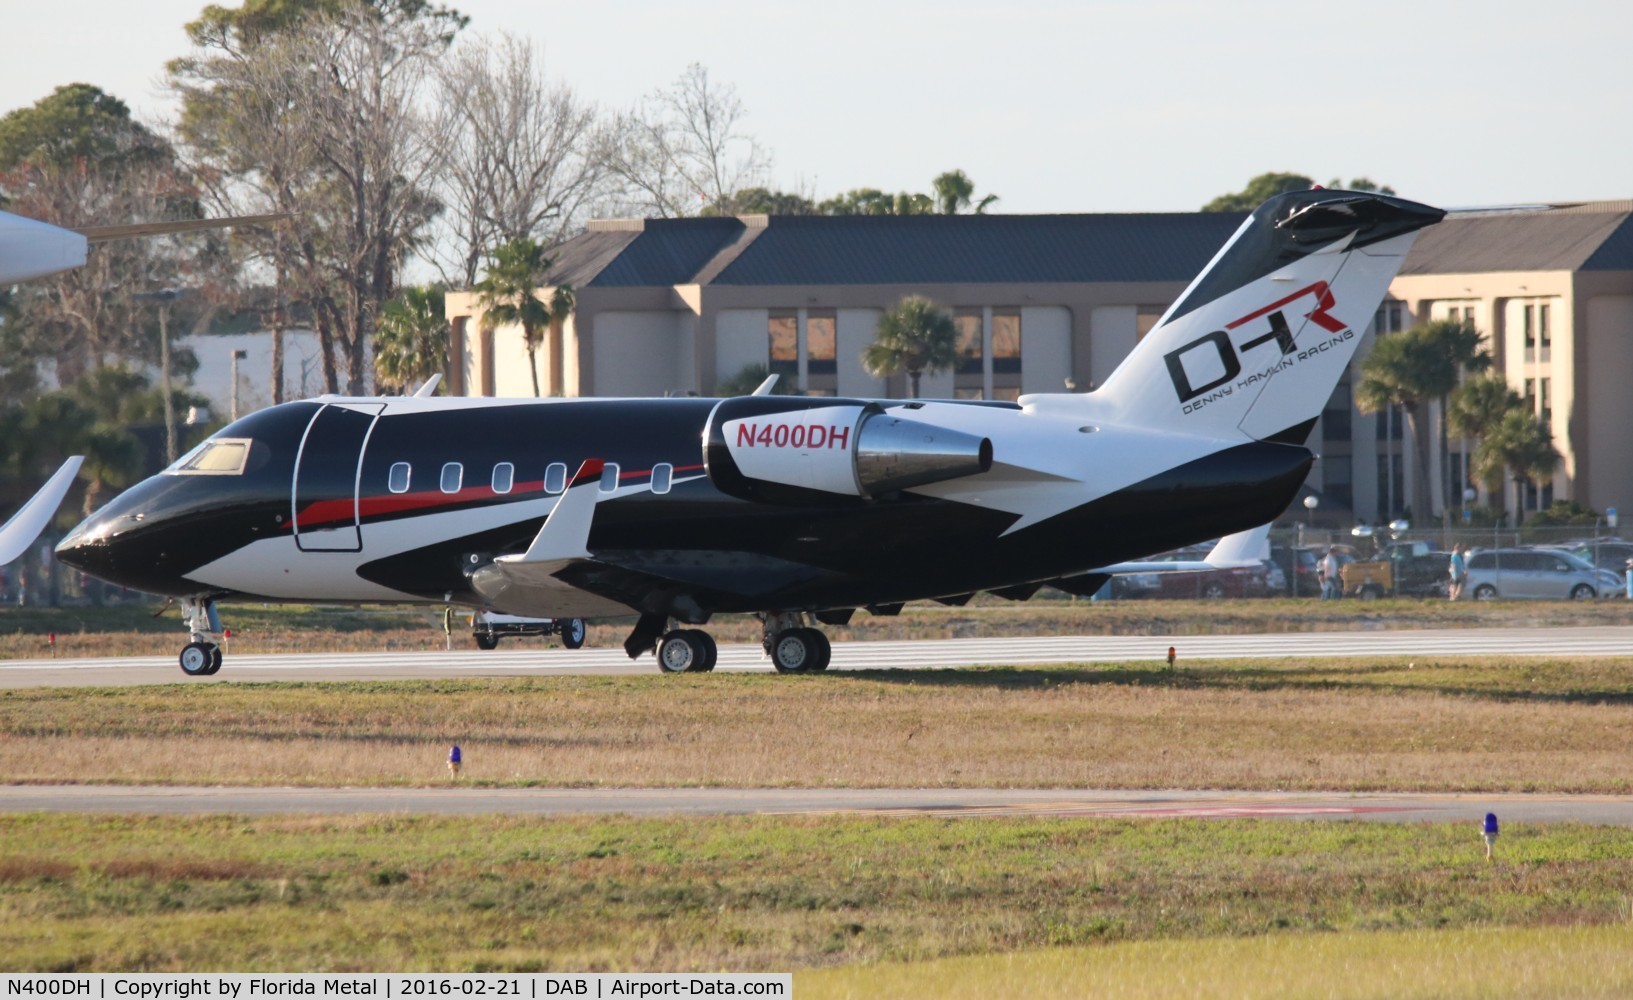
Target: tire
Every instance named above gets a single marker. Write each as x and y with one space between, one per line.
573 633
794 650
486 641
679 652
1583 592
824 651
708 651
1485 592
1370 593
1214 591
215 660
197 657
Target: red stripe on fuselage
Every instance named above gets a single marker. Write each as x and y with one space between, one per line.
329 513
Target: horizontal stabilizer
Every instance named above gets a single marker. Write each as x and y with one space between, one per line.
25 525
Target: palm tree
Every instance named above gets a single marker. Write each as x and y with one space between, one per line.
1477 407
1409 369
954 192
411 343
1521 444
508 295
915 336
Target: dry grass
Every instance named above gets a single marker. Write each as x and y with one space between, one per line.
753 893
1482 963
131 630
1484 724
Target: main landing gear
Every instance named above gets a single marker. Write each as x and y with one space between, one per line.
792 646
202 656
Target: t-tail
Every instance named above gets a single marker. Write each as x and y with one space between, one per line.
1256 344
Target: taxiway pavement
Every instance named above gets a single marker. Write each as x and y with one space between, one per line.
536 659
1471 808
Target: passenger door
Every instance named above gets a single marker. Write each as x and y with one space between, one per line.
325 508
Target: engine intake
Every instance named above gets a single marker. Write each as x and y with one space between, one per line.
779 450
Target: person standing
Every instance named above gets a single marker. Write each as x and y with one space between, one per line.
1458 573
1332 587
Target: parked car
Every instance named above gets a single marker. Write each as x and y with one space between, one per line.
487 628
1605 555
1536 573
1209 584
1298 565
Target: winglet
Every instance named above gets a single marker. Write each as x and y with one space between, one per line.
566 532
430 386
25 525
765 387
1245 548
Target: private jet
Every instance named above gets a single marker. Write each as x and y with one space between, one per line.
797 510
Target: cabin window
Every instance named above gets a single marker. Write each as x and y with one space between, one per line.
397 479
609 477
555 478
452 475
661 476
504 477
215 457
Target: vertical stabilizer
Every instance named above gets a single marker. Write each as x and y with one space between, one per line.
1256 344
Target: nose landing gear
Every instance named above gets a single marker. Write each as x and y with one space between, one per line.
202 656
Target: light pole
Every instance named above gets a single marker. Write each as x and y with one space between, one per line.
1311 502
164 298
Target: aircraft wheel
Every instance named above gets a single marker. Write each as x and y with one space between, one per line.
708 651
215 659
574 632
197 657
484 641
679 651
824 651
794 651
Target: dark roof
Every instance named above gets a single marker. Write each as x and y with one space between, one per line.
870 250
1576 238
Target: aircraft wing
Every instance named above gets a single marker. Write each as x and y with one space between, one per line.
1239 551
101 234
25 525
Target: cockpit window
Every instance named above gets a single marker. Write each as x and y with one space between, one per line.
215 457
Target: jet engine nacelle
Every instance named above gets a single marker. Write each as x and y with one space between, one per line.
783 450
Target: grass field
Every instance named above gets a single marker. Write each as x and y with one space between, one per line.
736 893
132 629
1476 724
1488 963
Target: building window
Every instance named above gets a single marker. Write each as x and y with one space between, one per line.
397 479
662 475
1545 337
1335 417
504 477
1545 406
1389 318
453 474
1530 331
821 342
1531 394
1006 343
967 325
1006 393
555 477
609 477
783 328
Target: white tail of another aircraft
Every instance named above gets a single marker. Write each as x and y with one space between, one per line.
1257 342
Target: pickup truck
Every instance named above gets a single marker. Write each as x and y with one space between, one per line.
1407 569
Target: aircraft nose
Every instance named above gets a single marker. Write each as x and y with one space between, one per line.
88 547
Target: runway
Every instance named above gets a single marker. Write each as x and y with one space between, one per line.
534 660
1512 809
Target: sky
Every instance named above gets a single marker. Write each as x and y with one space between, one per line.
1086 106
